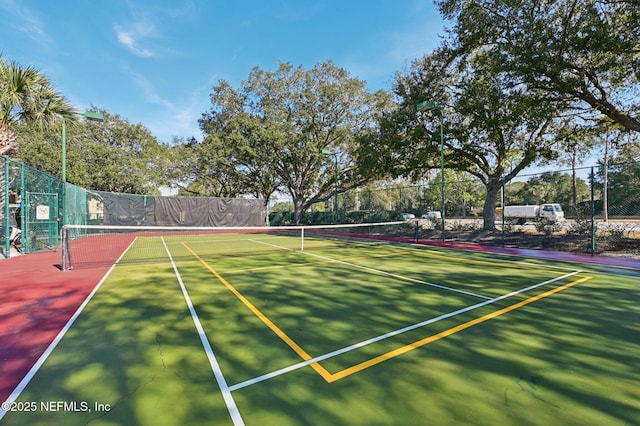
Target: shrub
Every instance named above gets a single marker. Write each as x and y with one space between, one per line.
547 227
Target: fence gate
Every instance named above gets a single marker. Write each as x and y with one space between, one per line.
41 230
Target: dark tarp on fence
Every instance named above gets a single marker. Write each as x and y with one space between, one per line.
128 209
186 211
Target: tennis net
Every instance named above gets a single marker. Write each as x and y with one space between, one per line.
98 245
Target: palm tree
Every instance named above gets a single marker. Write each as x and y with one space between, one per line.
27 96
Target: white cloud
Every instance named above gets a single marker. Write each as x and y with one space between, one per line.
132 35
26 21
167 118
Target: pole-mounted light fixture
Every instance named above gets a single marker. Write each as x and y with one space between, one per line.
89 115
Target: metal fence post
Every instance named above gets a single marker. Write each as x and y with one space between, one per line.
7 207
502 206
593 215
23 207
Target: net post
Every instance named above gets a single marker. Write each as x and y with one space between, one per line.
302 238
63 240
66 252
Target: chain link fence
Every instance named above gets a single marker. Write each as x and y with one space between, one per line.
601 206
358 206
30 205
34 205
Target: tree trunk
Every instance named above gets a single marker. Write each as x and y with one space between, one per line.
7 140
299 207
489 210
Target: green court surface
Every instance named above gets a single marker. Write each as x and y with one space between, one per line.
256 331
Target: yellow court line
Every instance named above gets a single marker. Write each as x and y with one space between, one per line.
404 349
293 345
332 377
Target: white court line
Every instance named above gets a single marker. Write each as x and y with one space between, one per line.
36 367
380 272
592 268
469 254
213 362
391 334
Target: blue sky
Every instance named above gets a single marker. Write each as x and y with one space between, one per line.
155 62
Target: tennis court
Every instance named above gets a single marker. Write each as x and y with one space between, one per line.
336 326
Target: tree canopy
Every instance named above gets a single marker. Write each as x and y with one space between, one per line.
113 155
490 129
549 187
583 52
27 96
270 133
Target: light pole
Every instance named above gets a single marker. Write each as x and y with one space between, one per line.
430 106
335 190
90 115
